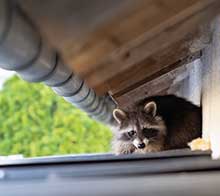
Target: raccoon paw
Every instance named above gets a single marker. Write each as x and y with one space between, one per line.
200 144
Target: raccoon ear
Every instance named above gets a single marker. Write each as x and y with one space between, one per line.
119 115
151 108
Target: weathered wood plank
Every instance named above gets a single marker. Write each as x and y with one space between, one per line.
117 46
169 82
191 88
87 33
144 57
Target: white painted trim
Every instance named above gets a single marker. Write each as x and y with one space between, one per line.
211 91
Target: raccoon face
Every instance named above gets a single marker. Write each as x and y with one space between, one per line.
142 128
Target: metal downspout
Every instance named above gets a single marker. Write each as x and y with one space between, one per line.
23 50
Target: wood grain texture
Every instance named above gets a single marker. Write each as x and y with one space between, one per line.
168 82
118 46
152 51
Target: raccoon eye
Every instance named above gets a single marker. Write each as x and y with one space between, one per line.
150 133
131 133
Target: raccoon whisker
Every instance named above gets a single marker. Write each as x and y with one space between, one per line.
153 139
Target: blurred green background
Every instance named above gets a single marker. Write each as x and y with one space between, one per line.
34 121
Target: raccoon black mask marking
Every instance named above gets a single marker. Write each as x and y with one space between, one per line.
155 124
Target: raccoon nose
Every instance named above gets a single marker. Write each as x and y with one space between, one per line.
142 145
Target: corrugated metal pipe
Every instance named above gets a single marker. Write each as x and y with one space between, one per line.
23 50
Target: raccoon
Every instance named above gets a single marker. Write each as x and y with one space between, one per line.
155 124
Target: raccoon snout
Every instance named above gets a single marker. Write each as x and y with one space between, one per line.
138 143
142 145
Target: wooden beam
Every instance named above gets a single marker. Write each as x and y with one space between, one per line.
118 45
124 31
167 82
135 61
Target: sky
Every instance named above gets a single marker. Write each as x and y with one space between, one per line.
4 75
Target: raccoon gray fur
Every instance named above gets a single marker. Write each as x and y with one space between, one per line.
155 124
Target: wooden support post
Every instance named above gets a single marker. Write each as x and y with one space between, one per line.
191 85
195 82
211 91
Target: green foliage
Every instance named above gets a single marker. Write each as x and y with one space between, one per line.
36 122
